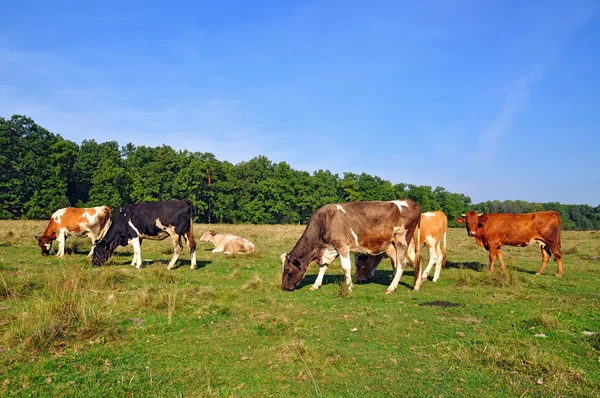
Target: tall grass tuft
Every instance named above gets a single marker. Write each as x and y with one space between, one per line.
67 313
498 278
343 290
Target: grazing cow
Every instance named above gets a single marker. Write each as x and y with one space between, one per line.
227 243
73 221
433 234
150 220
360 227
492 231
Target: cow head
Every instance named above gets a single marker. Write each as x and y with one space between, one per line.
45 242
115 236
366 266
473 222
102 252
292 272
208 235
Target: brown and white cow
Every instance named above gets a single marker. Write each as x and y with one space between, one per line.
492 231
433 234
360 227
73 221
227 243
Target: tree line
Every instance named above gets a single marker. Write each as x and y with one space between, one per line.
41 172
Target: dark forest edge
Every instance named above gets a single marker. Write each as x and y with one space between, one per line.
42 172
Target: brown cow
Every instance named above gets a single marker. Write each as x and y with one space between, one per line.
227 243
360 227
492 231
433 234
94 221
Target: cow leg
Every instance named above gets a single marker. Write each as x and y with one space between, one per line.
400 264
177 248
61 244
545 258
500 258
432 260
137 252
93 238
492 257
347 267
319 280
439 262
555 248
191 243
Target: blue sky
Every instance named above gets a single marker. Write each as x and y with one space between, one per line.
493 99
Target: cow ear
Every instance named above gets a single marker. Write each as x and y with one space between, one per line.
460 220
53 235
36 238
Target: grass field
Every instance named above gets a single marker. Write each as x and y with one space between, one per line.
227 329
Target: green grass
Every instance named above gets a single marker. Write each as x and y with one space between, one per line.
227 329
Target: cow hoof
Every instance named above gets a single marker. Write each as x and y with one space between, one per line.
389 291
314 288
559 275
537 274
193 267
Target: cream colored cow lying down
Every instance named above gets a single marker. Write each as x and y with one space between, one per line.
227 243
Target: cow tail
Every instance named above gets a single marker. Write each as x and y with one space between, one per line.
107 221
444 250
417 240
191 241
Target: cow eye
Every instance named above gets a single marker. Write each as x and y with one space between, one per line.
479 224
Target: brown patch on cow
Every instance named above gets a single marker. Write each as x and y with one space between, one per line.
91 211
440 304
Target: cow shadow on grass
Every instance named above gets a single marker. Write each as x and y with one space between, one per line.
383 277
472 265
181 263
520 269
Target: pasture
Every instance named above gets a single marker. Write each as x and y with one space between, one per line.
227 328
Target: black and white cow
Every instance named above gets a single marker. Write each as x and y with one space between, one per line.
360 227
149 220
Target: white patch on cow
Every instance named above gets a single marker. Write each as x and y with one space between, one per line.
137 253
400 203
428 214
57 216
134 228
48 246
328 256
355 236
539 242
430 240
340 208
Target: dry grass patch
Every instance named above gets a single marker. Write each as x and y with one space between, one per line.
68 313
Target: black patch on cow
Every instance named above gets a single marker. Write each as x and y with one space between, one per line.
440 304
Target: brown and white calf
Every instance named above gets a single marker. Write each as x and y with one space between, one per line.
492 231
360 227
434 225
73 221
227 243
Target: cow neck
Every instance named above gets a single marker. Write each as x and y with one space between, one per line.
306 248
51 228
